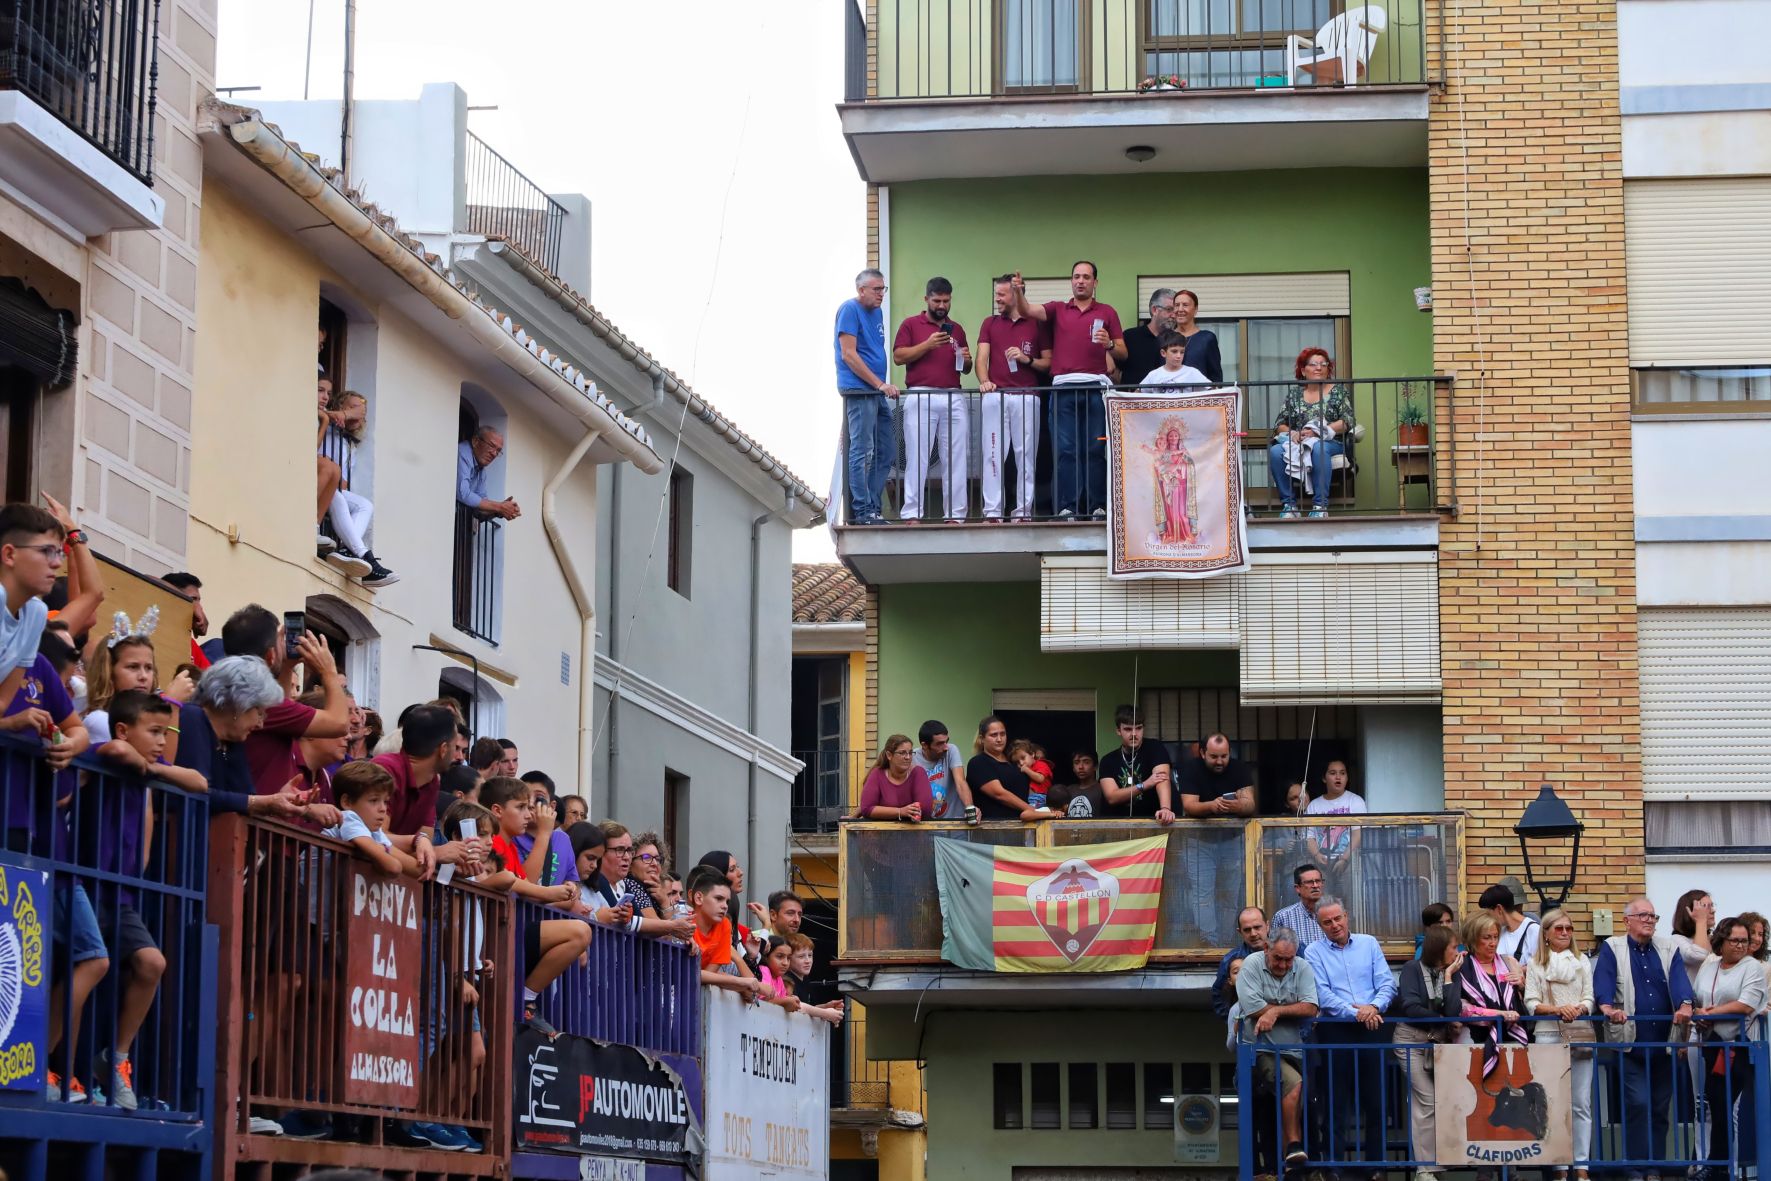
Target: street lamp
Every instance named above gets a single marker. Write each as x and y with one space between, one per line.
1550 826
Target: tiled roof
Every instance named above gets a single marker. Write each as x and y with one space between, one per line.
825 592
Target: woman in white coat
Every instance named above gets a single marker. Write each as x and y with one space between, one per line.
1559 983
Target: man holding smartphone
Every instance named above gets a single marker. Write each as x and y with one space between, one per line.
933 350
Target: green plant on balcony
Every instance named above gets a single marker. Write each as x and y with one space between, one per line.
1162 82
1411 419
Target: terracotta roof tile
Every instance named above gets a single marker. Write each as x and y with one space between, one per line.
825 592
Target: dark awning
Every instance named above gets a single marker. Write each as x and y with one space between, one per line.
36 337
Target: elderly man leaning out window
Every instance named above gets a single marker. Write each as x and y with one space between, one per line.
473 457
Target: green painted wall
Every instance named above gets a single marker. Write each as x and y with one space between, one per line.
945 649
961 1047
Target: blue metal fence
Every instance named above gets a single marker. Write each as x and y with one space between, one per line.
61 846
1649 1110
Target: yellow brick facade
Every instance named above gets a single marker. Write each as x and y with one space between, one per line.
1537 572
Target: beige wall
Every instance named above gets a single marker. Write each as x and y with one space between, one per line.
260 297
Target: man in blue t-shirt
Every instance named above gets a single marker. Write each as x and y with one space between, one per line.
867 393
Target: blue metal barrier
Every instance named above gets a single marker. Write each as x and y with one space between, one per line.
635 990
61 844
1659 1131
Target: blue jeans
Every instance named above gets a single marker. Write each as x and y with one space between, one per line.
1647 1101
872 447
1322 453
1079 449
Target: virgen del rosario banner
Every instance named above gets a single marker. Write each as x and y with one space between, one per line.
1080 908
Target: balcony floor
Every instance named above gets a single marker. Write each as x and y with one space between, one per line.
937 986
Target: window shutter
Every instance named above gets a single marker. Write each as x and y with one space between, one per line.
1697 261
1706 702
1081 609
1038 290
1321 293
1359 628
1043 700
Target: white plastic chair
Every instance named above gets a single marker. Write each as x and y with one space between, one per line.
1340 49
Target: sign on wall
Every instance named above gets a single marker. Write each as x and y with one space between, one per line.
577 1095
768 1091
381 970
1518 1113
1196 1130
25 905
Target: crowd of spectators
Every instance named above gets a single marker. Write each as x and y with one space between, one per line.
1052 361
266 726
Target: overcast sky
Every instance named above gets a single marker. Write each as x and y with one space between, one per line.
653 109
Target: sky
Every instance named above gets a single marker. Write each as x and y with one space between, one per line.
726 211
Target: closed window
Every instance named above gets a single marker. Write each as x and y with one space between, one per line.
1085 1095
682 531
1005 1096
1122 1095
1045 1106
1159 1095
1718 389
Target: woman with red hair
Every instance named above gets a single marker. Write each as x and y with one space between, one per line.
1316 414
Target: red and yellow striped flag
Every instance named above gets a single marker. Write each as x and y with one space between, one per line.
1080 908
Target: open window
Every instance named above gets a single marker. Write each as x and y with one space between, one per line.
478 569
354 642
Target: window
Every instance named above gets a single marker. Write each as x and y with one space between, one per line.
1005 1092
1229 1101
1085 1096
1044 1076
334 339
682 531
478 569
1701 826
1159 1095
1223 43
1718 390
18 400
1122 1096
676 818
1040 46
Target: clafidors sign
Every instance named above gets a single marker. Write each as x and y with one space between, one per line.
1510 1108
768 1091
381 953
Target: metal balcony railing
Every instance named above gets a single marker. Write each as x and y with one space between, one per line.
926 49
503 203
1213 868
825 787
93 64
1388 466
475 589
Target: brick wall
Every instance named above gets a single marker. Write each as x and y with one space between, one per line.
133 446
1537 574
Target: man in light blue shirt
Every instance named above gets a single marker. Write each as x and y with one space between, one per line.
1353 988
472 459
867 395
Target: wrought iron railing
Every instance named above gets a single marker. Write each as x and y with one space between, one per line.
503 203
826 786
922 49
1212 869
475 574
93 64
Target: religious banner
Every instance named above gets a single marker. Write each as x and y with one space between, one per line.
1174 497
1079 908
1509 1109
381 954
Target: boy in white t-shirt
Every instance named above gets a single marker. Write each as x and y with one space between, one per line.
362 789
1174 370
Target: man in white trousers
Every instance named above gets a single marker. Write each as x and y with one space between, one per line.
935 411
1014 355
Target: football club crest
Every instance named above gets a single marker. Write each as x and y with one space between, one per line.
1072 905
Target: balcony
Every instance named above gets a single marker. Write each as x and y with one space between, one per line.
77 111
820 796
967 88
503 203
1386 495
476 574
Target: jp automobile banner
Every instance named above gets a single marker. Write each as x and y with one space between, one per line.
1174 497
577 1095
768 1091
1080 908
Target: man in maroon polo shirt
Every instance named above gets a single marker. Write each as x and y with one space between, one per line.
932 349
254 631
1014 355
427 747
1084 332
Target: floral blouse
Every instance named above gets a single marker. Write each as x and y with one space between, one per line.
1294 412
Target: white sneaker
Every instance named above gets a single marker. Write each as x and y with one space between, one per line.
258 1125
349 563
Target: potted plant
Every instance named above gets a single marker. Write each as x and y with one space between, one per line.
1162 82
1411 420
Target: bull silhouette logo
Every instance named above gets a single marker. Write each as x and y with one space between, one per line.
1072 905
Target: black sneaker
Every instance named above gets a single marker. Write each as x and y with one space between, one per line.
1295 1156
541 1025
378 574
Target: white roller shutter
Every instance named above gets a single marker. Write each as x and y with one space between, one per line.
1039 290
1080 608
1043 700
1698 264
1706 702
1320 293
1362 627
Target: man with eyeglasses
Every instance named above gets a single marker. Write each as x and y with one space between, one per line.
1252 925
867 393
1644 992
1300 916
1143 352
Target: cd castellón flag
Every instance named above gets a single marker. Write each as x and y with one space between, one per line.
1079 908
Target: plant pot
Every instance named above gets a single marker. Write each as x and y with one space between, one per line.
1412 435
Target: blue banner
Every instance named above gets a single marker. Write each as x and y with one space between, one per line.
25 905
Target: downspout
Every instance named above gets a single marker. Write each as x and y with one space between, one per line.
754 714
586 611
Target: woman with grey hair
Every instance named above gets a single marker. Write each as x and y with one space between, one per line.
229 704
